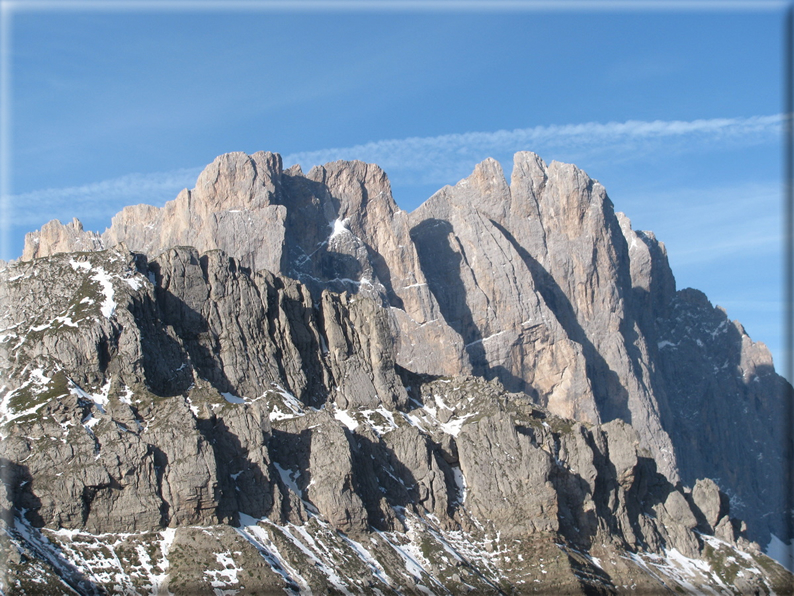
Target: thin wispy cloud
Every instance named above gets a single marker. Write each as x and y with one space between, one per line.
100 199
446 158
438 160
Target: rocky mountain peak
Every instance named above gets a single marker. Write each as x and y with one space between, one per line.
359 193
488 182
391 369
529 173
238 181
55 237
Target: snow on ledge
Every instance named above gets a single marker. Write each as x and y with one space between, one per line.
340 227
345 419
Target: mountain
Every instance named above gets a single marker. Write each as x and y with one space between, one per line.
281 381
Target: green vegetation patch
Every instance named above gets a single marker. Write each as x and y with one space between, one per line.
36 394
780 578
562 426
724 565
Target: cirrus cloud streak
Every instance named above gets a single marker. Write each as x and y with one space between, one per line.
437 160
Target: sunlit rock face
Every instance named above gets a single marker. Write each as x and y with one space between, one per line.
510 361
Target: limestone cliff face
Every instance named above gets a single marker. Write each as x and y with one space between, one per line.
537 283
115 358
232 208
145 399
54 237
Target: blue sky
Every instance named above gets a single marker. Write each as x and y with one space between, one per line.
674 111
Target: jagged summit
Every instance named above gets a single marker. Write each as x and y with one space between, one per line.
601 399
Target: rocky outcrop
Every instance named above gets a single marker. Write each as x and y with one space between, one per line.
537 283
207 329
152 398
232 209
55 237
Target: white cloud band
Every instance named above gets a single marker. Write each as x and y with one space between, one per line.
438 160
434 159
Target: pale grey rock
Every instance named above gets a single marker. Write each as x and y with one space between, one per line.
676 522
622 444
652 281
345 344
578 253
708 500
218 392
96 477
424 472
240 438
509 478
344 232
731 424
134 404
189 481
55 237
363 359
331 471
486 293
725 530
232 208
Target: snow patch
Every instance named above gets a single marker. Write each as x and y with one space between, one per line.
294 408
100 399
339 228
460 483
103 278
329 571
345 418
90 422
193 408
483 340
277 414
223 578
37 380
80 265
159 579
455 424
259 538
412 566
388 417
288 477
414 420
133 282
126 397
374 565
65 321
440 402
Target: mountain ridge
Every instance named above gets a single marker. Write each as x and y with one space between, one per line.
537 286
